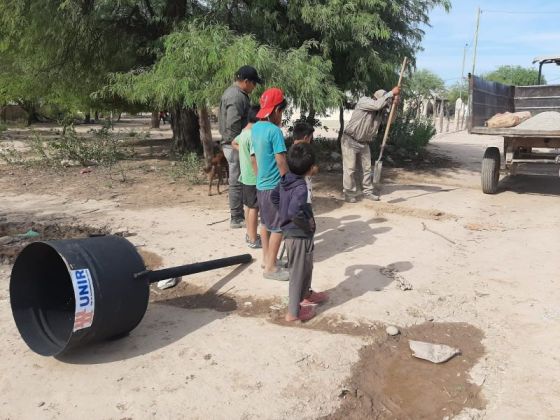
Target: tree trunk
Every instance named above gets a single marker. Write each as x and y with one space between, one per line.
341 121
31 110
311 116
32 117
176 10
206 134
155 119
186 133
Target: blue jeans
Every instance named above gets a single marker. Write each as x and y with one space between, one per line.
235 187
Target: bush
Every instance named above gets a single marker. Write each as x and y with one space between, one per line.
3 127
408 137
102 148
11 155
189 167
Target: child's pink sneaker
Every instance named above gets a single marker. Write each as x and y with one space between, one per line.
305 314
315 298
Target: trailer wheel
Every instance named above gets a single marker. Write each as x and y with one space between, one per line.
490 170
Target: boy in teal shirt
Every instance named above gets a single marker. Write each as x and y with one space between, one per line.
268 150
248 179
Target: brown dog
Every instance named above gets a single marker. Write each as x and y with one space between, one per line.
218 167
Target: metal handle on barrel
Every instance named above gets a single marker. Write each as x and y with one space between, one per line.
185 270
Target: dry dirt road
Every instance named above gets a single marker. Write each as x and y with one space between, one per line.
484 276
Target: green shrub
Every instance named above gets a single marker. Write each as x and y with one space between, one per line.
104 148
190 167
101 148
3 127
11 155
408 137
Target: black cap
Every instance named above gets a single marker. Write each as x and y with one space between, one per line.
248 73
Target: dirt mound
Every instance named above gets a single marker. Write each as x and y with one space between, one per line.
13 236
12 239
151 259
388 383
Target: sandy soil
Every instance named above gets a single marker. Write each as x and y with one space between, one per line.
483 270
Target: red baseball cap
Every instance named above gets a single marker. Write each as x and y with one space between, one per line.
270 99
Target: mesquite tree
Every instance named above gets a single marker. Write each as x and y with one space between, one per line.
199 61
365 40
69 51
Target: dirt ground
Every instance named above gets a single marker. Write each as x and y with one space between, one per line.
483 270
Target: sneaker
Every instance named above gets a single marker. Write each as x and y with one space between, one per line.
249 241
237 223
279 275
255 245
168 284
315 298
350 199
371 197
283 263
305 314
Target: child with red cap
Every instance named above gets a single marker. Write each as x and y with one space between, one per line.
268 151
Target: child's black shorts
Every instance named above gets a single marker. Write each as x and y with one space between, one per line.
250 196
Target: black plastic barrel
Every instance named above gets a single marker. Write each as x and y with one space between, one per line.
72 292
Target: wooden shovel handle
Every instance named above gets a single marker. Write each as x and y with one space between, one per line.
392 113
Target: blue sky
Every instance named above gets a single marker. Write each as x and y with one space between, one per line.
511 32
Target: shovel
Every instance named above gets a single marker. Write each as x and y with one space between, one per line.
378 164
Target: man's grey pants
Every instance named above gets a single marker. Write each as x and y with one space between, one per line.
351 152
300 263
235 187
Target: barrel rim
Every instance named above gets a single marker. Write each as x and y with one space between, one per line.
40 319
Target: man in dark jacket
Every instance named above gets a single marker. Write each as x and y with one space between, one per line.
298 226
232 118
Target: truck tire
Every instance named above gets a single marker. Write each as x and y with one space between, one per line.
490 170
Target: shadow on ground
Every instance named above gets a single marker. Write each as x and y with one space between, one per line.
530 184
165 322
422 189
345 234
361 279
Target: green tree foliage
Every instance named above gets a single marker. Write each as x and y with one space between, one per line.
515 75
423 84
366 40
61 51
198 63
458 90
64 51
